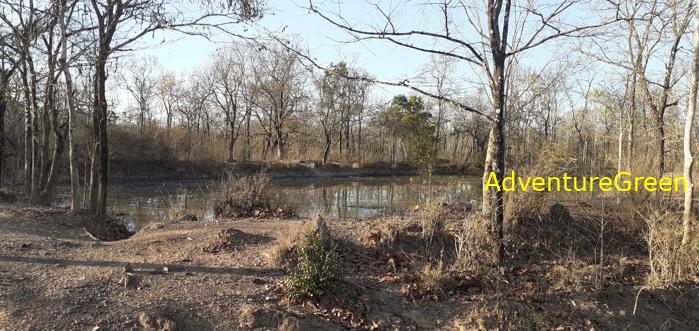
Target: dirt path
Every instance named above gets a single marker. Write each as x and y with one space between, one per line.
54 276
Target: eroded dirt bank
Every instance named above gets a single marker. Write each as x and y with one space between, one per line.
181 276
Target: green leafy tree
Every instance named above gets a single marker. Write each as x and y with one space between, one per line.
410 123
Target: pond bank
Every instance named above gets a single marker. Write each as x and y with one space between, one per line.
54 276
128 172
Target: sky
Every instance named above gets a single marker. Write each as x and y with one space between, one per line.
327 43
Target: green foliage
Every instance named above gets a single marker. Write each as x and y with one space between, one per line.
408 119
318 270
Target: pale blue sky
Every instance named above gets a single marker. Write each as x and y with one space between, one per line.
379 58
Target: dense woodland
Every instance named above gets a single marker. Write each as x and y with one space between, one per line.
613 88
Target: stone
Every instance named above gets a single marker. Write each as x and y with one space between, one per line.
262 318
152 323
128 280
165 324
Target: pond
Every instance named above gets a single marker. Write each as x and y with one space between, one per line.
346 198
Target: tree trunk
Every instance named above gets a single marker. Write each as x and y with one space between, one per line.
687 215
70 102
279 144
231 143
3 109
326 149
101 137
660 142
247 154
493 207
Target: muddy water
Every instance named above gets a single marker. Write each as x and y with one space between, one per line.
345 198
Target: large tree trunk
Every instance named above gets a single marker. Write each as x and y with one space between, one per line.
493 207
3 109
101 137
688 156
70 102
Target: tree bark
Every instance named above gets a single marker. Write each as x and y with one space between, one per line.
3 109
101 136
687 214
70 102
493 207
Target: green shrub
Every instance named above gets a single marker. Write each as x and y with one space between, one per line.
318 270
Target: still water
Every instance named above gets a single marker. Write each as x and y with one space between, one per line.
345 198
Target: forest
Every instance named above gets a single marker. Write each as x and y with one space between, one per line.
333 165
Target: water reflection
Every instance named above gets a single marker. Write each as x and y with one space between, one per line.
333 198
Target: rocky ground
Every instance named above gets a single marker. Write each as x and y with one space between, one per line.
55 275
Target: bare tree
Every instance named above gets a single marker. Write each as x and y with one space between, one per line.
507 32
9 62
278 91
655 30
228 73
140 82
121 24
687 215
167 91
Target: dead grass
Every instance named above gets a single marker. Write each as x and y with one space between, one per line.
434 279
283 253
248 196
475 249
668 260
384 237
552 161
431 219
500 315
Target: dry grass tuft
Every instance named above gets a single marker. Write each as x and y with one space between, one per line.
431 219
283 254
476 251
248 196
668 260
433 279
385 237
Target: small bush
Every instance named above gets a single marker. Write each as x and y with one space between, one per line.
246 196
318 269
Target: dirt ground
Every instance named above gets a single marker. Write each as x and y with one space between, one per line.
181 276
